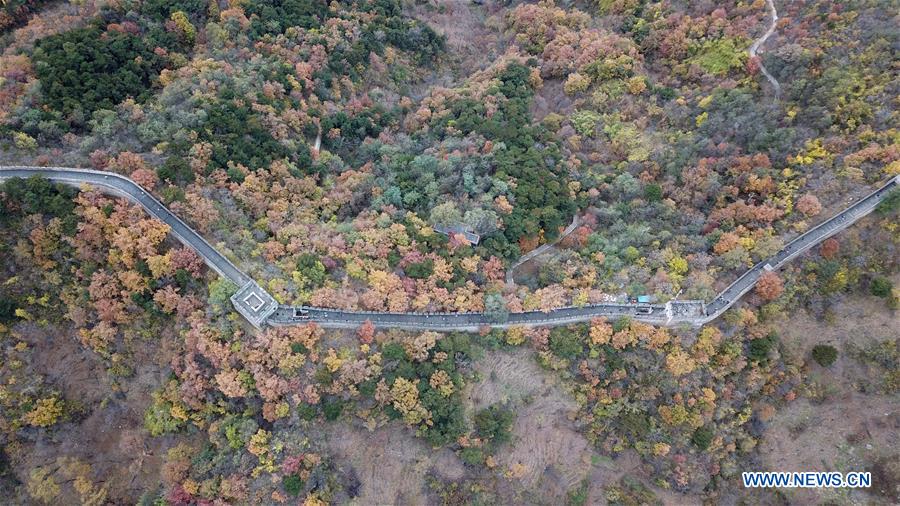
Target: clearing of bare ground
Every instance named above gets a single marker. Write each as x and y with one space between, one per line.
853 433
851 325
546 460
548 457
108 433
390 462
839 428
856 320
471 43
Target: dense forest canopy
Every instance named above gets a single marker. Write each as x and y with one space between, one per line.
87 69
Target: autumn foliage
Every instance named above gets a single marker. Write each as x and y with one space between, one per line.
769 286
312 143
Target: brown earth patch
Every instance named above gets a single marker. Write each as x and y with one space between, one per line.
547 456
471 43
110 434
847 434
390 462
843 429
860 320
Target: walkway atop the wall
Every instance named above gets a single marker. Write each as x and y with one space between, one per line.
259 307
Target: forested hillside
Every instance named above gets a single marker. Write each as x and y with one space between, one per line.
335 150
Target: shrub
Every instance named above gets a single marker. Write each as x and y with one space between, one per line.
653 192
637 85
702 437
665 92
576 83
494 424
565 343
824 354
45 412
585 122
638 425
881 287
719 56
306 412
631 253
578 496
333 409
630 491
472 455
758 349
24 141
420 270
292 484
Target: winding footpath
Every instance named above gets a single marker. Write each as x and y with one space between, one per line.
254 302
754 48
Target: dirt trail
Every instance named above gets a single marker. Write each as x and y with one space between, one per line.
754 48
